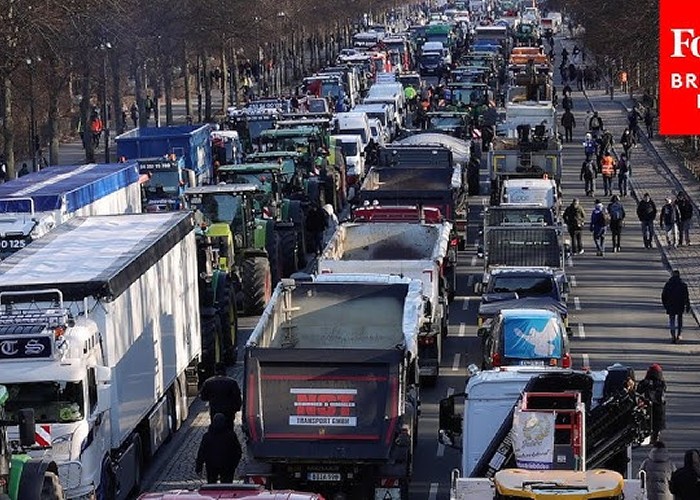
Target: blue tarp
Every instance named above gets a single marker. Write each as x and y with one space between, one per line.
532 337
72 186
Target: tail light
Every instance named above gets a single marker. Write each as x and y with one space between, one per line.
566 361
426 340
496 360
389 482
454 242
260 480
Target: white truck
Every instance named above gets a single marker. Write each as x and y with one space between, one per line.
99 334
596 419
418 251
32 205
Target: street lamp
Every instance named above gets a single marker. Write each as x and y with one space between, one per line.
31 64
104 47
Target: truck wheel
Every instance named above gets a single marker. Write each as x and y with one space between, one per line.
257 284
289 251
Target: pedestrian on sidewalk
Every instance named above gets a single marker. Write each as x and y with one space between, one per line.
317 223
617 216
685 482
646 212
658 470
569 123
223 394
134 112
633 122
590 147
608 171
575 218
595 124
685 209
653 389
623 174
567 103
668 220
628 141
588 175
220 451
23 171
598 226
564 55
675 299
649 122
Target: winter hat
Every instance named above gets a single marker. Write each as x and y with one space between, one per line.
655 368
599 206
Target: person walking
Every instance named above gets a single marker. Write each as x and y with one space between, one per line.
223 395
316 223
668 220
598 226
575 218
653 389
658 470
617 216
588 175
569 123
595 124
646 212
685 482
607 170
628 141
623 175
220 451
649 122
685 211
676 300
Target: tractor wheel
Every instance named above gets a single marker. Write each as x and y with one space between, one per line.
289 251
257 284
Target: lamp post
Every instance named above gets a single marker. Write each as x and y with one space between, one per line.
31 64
104 47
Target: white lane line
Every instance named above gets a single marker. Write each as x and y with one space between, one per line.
441 447
474 261
581 331
572 280
465 306
455 362
432 493
462 330
470 283
586 361
577 304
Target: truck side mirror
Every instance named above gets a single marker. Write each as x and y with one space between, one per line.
450 423
104 398
27 424
103 374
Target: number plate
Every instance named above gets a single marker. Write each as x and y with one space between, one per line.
324 476
531 362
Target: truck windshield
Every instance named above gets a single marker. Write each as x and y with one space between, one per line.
349 148
525 286
168 181
53 402
220 207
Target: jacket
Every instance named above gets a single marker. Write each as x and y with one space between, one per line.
607 166
222 393
675 297
669 215
658 468
574 217
646 211
568 120
685 482
598 221
685 208
219 449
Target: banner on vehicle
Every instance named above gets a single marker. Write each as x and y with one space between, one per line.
533 439
679 67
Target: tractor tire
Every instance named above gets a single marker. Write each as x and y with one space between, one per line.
289 251
257 284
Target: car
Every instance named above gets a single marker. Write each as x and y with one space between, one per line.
524 337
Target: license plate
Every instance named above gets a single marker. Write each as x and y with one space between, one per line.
324 476
531 362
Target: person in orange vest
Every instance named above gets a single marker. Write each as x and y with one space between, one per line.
607 170
96 128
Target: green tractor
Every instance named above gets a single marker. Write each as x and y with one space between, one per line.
253 250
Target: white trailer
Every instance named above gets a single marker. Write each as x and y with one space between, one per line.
414 250
99 334
32 205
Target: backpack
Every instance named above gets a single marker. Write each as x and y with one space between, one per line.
616 212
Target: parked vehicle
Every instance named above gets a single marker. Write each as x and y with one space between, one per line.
363 371
104 353
351 146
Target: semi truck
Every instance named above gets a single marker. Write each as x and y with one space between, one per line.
332 406
192 142
32 205
102 343
415 250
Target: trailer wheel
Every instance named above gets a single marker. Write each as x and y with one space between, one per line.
257 284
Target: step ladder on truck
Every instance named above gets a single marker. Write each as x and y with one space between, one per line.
571 431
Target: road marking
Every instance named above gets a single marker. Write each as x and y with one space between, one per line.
581 331
441 447
572 279
470 283
462 330
586 361
577 304
465 306
432 493
455 362
474 261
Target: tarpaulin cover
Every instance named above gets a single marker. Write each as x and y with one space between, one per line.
490 306
66 187
528 336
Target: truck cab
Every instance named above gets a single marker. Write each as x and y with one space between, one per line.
163 181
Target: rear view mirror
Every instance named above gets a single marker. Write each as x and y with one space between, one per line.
25 420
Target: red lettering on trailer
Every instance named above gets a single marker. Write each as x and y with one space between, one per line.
324 405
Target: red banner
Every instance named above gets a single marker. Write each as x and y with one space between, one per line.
679 67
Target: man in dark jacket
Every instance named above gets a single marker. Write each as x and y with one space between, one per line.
220 451
575 219
316 223
646 212
223 394
685 209
685 482
676 300
569 123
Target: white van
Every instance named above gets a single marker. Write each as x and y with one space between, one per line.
378 133
392 94
353 122
353 150
382 112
